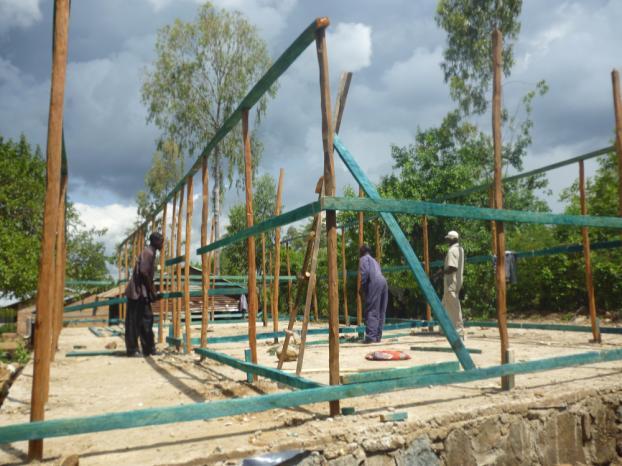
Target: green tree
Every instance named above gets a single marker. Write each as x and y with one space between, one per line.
202 71
22 191
467 61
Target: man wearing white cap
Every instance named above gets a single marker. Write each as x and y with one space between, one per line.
453 270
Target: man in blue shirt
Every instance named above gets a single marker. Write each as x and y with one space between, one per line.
376 293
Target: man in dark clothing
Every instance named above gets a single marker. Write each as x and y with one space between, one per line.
140 293
376 293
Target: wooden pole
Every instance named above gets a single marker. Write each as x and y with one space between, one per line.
316 307
344 273
204 257
43 344
378 243
289 281
126 275
587 255
252 285
189 208
426 262
162 288
264 290
212 264
617 107
497 46
277 259
180 218
59 265
172 283
359 299
342 95
331 216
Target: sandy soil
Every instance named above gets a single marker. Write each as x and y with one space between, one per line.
103 384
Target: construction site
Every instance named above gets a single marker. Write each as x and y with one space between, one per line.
233 384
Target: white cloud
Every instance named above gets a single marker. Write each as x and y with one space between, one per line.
350 46
18 13
116 218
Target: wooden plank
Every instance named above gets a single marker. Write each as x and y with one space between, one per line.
587 257
211 292
175 260
331 215
259 370
376 375
232 407
292 216
189 208
277 256
45 288
500 285
462 211
556 327
250 251
279 66
409 255
617 111
205 272
440 349
79 354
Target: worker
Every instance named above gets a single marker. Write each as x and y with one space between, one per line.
140 293
452 272
375 291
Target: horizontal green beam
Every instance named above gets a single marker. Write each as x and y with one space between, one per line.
212 292
75 354
557 327
175 260
292 216
259 89
90 282
257 369
94 304
461 211
87 321
374 376
232 407
441 349
530 173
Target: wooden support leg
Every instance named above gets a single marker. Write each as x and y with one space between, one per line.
162 257
264 290
204 257
277 260
344 272
188 316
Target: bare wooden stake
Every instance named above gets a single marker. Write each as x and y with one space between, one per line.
204 258
497 46
587 255
126 275
59 264
252 285
289 281
180 221
264 289
42 337
617 108
277 260
189 208
359 299
211 266
378 242
316 307
344 272
162 268
172 282
331 217
426 262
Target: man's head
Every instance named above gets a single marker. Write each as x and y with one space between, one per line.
156 240
364 249
452 237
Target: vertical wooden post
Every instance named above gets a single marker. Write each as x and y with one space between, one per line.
204 257
331 215
344 272
426 262
211 266
43 344
277 259
59 265
126 275
497 47
378 242
289 281
316 307
617 108
252 285
587 255
180 220
162 274
172 283
270 268
264 290
189 208
359 299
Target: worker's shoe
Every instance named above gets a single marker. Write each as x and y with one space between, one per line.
368 341
135 354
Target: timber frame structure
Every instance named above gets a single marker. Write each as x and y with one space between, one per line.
306 391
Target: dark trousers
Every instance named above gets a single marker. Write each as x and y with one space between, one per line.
376 300
139 325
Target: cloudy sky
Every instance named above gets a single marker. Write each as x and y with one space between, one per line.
393 47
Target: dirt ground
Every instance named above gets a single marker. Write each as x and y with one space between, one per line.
85 386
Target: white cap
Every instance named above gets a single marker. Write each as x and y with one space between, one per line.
452 235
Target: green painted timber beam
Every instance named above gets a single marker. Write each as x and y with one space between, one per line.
175 260
375 376
94 304
262 86
409 255
232 407
440 349
557 327
460 211
233 291
292 216
276 375
75 354
537 171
